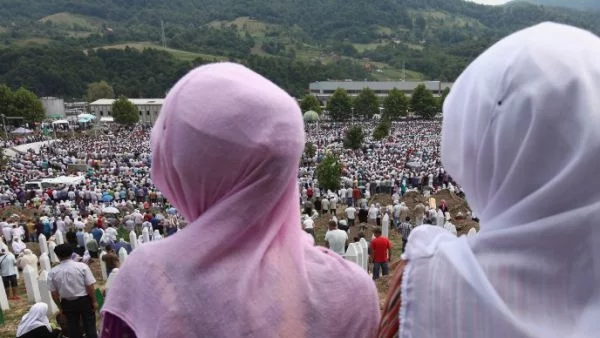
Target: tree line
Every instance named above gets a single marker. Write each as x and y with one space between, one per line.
342 107
66 72
20 103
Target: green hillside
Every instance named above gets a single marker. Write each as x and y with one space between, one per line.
573 4
293 42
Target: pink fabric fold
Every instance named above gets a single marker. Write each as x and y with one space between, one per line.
226 149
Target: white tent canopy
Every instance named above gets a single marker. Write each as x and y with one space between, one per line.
60 122
107 119
21 131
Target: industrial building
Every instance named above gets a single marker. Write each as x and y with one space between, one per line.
324 89
147 108
53 106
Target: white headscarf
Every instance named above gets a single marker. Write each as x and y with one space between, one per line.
521 123
33 319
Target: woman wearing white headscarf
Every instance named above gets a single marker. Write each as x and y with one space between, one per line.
521 123
35 323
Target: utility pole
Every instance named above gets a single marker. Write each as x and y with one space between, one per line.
163 37
4 126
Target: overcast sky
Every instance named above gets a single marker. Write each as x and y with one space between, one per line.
490 2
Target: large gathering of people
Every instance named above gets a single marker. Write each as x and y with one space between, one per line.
204 225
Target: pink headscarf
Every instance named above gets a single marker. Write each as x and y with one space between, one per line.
226 149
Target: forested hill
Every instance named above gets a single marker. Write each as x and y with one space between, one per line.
574 4
292 42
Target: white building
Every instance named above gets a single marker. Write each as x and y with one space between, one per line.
147 108
324 89
53 106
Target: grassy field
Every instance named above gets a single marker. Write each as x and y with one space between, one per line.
244 24
361 47
70 20
32 41
179 54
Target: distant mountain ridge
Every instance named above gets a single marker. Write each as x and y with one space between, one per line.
292 42
582 5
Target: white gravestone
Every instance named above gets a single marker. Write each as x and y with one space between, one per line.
31 285
53 256
146 235
111 278
102 266
3 298
133 240
385 226
45 262
58 238
86 238
43 244
359 254
365 253
122 255
472 232
352 253
45 294
440 218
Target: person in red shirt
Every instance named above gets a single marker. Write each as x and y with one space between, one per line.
381 253
356 195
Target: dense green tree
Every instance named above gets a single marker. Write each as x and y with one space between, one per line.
354 137
395 105
309 102
329 172
366 103
27 105
423 103
6 101
339 105
382 130
100 90
125 112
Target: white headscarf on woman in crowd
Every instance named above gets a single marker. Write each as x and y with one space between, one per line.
521 123
33 319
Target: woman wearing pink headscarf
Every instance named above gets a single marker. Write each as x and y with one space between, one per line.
521 123
226 150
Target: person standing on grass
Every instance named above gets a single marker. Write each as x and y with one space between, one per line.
72 286
405 229
8 266
335 239
381 253
325 205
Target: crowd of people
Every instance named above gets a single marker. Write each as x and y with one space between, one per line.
519 124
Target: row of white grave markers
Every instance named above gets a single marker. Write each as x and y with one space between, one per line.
359 253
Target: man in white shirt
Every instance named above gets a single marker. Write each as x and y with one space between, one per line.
335 239
308 224
325 205
79 224
8 267
333 205
72 286
350 215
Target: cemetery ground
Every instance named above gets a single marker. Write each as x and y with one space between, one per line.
456 204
